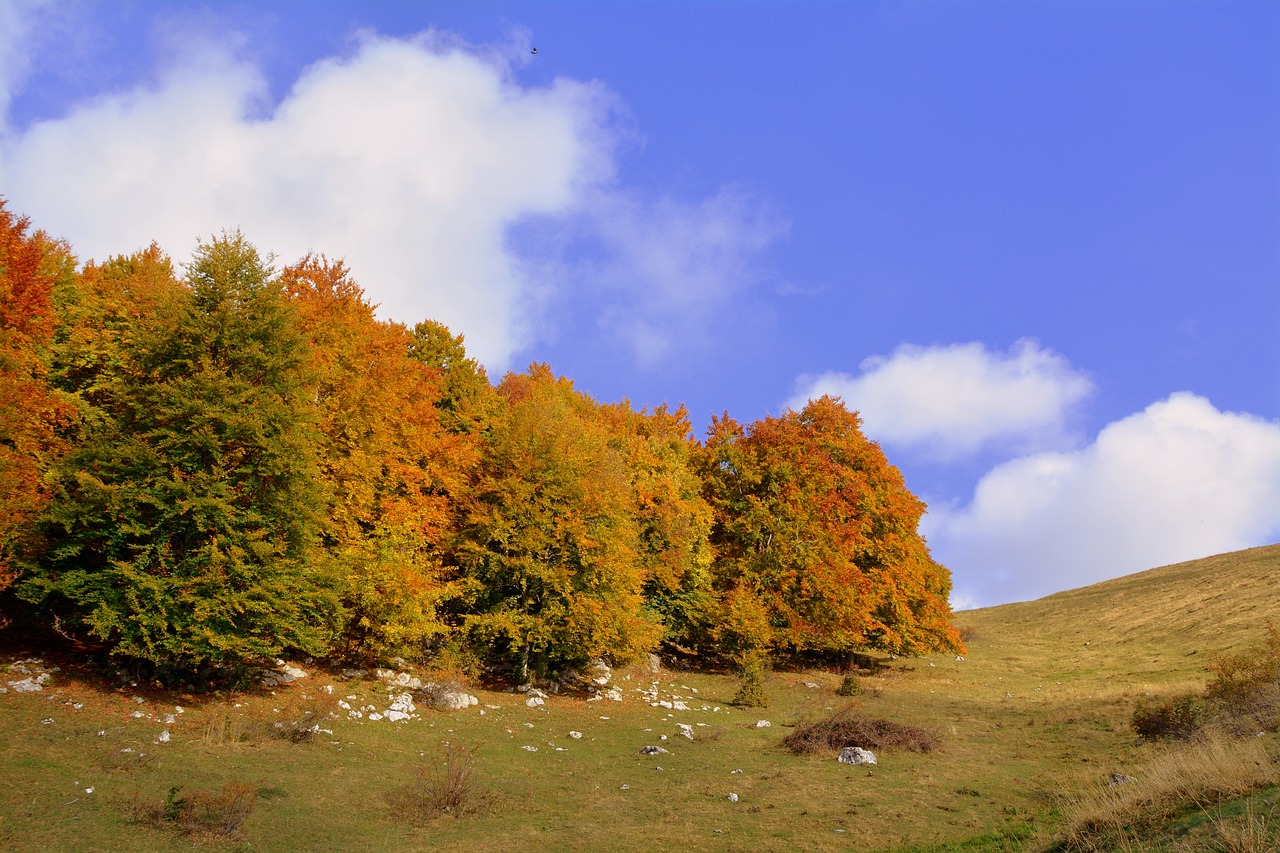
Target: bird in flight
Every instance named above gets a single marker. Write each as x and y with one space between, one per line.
535 50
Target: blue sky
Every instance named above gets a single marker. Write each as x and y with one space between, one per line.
1037 245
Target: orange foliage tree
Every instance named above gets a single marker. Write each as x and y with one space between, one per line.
550 540
393 473
816 540
672 517
31 265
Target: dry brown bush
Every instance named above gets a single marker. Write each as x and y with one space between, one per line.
849 728
213 813
444 786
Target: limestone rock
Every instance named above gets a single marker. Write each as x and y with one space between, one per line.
598 672
763 724
856 755
654 750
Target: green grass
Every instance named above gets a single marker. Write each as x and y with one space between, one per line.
1031 714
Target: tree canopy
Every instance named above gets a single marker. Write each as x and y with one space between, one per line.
217 464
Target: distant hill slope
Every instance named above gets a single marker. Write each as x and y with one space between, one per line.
1164 624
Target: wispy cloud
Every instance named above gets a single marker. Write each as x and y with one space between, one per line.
954 400
1176 481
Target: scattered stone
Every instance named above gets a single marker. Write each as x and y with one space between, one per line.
33 684
625 788
614 694
654 750
1119 779
598 672
733 798
731 772
856 755
529 748
763 724
164 736
404 679
534 701
686 730
959 657
575 735
48 721
655 664
812 685
354 673
328 688
375 716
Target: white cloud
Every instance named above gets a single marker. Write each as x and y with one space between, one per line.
17 26
954 400
409 159
412 159
1177 481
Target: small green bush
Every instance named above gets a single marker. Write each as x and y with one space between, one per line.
850 686
751 692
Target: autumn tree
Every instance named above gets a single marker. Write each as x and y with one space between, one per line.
392 472
816 539
182 524
673 519
550 539
31 411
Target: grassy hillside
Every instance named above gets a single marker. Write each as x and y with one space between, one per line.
1035 715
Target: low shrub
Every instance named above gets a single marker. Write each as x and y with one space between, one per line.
443 786
849 686
848 728
214 813
1170 719
751 692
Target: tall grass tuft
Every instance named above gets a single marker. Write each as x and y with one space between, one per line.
1200 774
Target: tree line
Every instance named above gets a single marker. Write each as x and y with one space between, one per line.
214 465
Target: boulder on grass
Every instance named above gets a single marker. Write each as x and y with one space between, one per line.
856 755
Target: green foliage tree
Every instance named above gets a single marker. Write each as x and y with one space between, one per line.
550 540
816 540
467 402
182 523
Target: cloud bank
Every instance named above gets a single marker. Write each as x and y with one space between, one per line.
1177 481
952 401
410 158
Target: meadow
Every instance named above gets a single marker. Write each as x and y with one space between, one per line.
1032 721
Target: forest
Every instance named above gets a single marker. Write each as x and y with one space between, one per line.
206 466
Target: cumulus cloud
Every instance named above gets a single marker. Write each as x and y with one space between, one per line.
1177 481
412 159
954 400
408 158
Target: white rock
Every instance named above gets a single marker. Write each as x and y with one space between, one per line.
375 716
354 673
733 798
763 724
812 685
396 716
534 701
686 730
328 688
679 706
384 674
653 750
529 748
29 685
613 693
856 755
575 735
164 736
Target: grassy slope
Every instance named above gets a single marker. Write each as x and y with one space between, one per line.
1030 711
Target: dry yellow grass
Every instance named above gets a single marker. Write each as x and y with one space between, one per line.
1198 775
